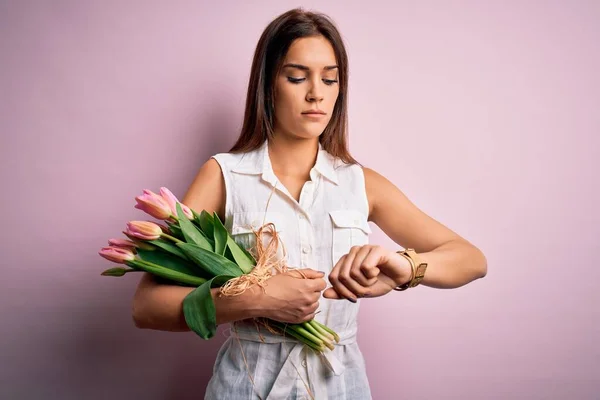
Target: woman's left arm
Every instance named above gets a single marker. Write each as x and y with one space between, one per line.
452 260
372 271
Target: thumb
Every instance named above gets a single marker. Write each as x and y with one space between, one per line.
311 273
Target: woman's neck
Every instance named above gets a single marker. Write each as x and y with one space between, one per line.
293 157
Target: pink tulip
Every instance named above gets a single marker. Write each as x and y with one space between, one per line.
170 198
154 205
122 243
140 244
117 254
144 230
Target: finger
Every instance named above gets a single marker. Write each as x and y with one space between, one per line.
330 293
370 265
340 281
308 317
318 285
352 269
365 274
308 273
370 272
313 307
333 292
335 271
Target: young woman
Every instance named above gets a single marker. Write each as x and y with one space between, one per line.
292 154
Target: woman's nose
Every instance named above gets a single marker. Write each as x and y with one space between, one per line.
315 93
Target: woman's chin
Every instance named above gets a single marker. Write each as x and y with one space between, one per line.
312 130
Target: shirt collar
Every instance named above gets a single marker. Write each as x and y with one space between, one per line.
259 162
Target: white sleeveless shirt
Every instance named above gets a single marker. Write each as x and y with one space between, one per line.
329 219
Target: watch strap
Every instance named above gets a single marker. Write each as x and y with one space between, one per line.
418 269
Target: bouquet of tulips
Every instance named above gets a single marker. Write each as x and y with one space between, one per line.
195 249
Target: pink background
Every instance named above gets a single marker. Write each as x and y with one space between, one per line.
484 113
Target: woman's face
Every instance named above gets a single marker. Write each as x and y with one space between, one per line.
306 88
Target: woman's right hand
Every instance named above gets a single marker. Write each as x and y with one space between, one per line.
290 298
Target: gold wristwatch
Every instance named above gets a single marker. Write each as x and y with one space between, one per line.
418 269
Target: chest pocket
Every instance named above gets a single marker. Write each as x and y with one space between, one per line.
350 228
244 222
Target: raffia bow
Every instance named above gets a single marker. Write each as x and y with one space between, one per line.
267 263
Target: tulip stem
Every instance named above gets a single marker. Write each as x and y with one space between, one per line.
174 239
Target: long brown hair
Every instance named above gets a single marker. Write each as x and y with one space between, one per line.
268 59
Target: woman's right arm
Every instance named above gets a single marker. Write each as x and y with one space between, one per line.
159 306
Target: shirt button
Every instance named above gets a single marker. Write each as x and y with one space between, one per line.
304 363
305 250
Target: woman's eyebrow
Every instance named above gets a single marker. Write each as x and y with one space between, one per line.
305 68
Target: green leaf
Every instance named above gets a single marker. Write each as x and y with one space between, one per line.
240 256
191 233
214 264
117 271
206 223
199 308
172 262
195 214
169 247
220 235
210 239
228 255
175 231
166 273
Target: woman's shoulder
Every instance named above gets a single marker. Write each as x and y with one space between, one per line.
376 185
235 160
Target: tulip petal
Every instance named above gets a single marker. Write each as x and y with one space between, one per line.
144 230
154 205
172 200
116 254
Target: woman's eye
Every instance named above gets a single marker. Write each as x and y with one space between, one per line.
295 80
298 80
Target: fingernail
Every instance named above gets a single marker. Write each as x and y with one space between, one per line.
352 299
367 294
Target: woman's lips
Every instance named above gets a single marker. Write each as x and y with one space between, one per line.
313 115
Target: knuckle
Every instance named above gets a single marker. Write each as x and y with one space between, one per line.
340 261
355 274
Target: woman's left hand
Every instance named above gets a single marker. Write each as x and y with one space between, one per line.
367 271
